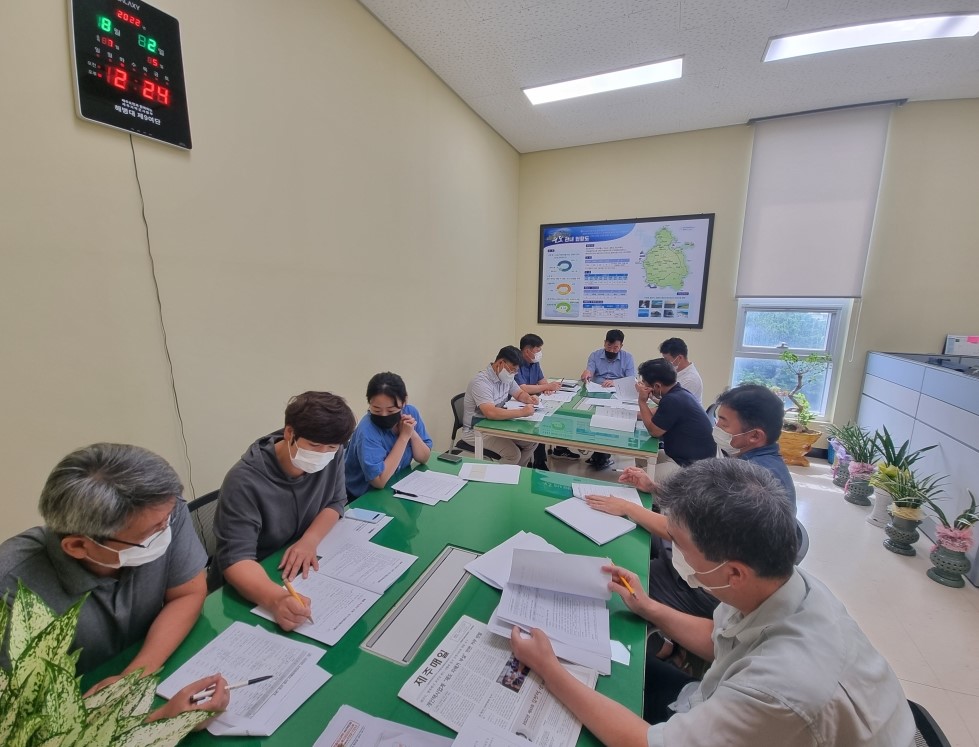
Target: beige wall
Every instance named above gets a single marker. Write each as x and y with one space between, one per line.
921 276
340 214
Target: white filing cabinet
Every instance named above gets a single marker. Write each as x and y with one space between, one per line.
928 405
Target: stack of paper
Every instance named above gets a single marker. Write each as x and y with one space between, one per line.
353 728
242 652
614 418
597 526
563 595
594 388
536 417
505 474
558 396
473 672
352 576
493 567
427 486
351 529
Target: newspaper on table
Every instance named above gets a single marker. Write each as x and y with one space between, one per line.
353 728
473 672
241 652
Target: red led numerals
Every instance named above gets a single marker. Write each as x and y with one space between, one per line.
155 92
107 42
117 77
124 16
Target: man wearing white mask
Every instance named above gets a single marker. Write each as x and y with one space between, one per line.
530 377
288 490
486 396
115 528
789 666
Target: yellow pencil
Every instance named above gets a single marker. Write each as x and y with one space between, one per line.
628 586
295 596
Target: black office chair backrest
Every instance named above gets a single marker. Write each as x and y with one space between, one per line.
202 517
928 734
712 413
803 537
457 404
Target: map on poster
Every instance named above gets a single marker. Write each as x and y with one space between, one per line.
639 272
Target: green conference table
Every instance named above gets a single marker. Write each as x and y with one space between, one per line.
479 517
570 427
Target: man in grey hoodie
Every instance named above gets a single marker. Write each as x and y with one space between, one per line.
287 490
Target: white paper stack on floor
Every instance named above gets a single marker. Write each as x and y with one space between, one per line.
597 526
614 418
352 576
242 652
428 486
473 671
563 595
493 567
353 728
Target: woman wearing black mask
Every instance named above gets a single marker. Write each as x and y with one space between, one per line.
387 438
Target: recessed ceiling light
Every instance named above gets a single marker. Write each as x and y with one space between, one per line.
868 34
633 76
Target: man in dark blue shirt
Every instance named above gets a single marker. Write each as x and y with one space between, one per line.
679 420
530 377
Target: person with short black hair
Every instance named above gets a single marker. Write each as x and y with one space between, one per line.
116 530
789 666
604 366
486 396
288 489
530 375
387 438
674 350
679 422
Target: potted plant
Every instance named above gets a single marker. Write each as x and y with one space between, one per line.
842 437
954 540
909 492
892 461
40 697
797 437
862 449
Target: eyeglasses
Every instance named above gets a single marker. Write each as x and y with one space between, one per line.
149 540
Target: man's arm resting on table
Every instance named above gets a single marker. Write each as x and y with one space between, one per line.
492 412
181 608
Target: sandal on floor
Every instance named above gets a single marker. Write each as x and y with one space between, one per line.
661 646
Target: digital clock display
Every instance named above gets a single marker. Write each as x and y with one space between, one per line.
128 69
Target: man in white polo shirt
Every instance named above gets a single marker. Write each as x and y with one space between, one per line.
675 351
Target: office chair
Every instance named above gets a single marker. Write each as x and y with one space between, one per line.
927 733
712 413
457 404
803 536
202 518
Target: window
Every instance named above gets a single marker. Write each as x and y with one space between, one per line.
768 326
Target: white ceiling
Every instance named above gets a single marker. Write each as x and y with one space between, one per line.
488 50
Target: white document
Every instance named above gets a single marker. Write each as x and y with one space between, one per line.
614 418
353 728
587 402
478 732
505 474
242 652
557 396
352 576
597 526
594 388
625 389
563 595
473 671
428 486
493 567
349 529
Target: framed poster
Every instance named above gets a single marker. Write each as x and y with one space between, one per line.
640 272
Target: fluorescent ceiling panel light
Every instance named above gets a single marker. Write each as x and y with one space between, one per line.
868 34
633 76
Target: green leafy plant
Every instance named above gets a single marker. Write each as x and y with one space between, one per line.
845 435
907 489
897 457
861 446
965 520
41 703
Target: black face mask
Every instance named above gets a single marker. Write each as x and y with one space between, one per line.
386 422
611 356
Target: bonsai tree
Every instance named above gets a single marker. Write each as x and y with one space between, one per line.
41 703
802 368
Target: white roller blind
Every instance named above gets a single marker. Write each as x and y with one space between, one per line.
812 194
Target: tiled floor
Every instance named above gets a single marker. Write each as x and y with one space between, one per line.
929 633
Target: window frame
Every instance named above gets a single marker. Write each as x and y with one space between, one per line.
839 310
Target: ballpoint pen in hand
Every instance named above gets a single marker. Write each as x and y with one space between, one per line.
207 692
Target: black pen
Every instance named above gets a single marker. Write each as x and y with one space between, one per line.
401 492
209 691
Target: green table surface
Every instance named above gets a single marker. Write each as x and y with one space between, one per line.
573 430
479 517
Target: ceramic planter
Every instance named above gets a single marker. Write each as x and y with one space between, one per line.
880 516
950 565
901 535
793 446
858 488
841 470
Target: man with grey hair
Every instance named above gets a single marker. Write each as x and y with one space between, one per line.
116 529
789 666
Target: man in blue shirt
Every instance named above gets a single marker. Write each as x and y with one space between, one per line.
604 367
679 420
530 377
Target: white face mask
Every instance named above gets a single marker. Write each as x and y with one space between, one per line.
311 461
506 377
723 439
689 575
538 356
155 546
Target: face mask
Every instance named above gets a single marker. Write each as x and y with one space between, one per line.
723 439
689 575
131 557
311 461
386 422
538 356
611 356
506 377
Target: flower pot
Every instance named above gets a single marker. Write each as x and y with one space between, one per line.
949 566
841 470
881 515
794 445
858 488
901 535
